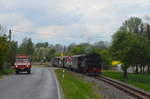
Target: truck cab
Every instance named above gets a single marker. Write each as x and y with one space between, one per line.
23 64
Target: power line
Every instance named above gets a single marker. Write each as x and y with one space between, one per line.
69 36
85 38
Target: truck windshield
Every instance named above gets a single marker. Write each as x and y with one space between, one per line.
22 60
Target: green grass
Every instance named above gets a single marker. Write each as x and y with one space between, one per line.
75 87
138 80
7 72
0 75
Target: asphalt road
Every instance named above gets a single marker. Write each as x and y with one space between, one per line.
40 84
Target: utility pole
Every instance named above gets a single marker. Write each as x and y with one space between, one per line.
10 35
62 55
148 31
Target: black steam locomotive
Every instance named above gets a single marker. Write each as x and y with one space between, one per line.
88 63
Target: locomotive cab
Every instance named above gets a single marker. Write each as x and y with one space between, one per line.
93 62
89 63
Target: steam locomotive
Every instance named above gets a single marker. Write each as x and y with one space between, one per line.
90 64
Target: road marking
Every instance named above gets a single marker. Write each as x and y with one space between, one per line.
57 84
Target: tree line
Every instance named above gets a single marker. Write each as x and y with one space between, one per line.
43 51
8 50
130 45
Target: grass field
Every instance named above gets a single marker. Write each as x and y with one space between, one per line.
7 72
75 87
138 80
0 75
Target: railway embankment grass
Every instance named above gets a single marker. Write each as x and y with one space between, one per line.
76 87
138 80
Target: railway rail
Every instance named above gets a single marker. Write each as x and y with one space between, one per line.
139 94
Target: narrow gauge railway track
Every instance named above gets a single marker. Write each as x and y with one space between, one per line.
126 88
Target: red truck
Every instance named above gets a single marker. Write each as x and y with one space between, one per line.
23 63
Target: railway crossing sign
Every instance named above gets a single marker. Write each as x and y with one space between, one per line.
69 59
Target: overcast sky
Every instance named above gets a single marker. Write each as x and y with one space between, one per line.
68 21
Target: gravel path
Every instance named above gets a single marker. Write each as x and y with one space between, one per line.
108 91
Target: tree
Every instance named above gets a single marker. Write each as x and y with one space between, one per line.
12 52
7 50
132 25
4 45
118 49
44 45
130 49
106 58
101 45
51 53
59 48
46 51
27 47
80 49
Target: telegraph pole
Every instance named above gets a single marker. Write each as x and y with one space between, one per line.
10 33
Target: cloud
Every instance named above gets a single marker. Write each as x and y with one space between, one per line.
64 21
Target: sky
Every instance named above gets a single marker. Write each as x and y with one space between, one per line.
68 21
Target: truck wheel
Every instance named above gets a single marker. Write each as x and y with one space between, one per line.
29 71
17 72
